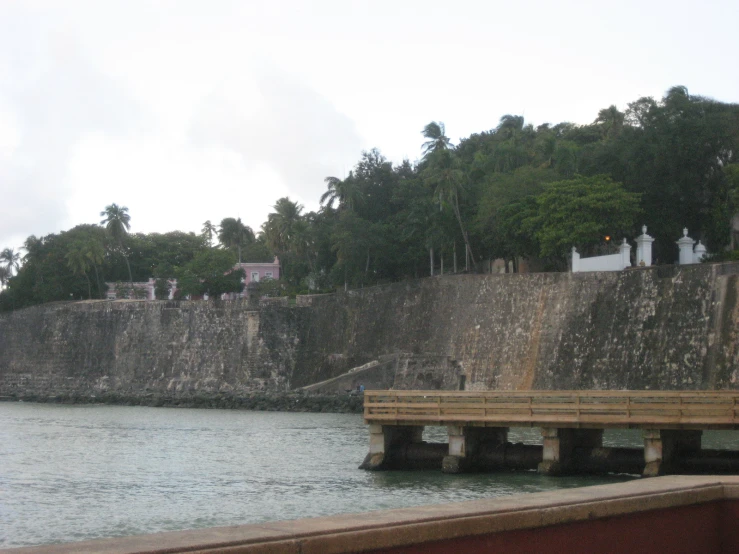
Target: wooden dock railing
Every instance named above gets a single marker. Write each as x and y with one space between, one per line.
586 409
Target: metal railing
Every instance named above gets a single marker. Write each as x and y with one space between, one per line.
595 409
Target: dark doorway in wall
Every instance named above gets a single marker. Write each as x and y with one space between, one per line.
462 381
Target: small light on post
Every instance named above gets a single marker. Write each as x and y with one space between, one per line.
608 237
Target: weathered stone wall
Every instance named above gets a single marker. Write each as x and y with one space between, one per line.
135 347
665 327
651 328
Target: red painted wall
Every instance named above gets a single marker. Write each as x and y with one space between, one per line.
701 529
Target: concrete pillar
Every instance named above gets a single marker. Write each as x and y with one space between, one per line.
663 446
558 445
686 249
625 249
644 248
699 252
383 439
464 443
575 260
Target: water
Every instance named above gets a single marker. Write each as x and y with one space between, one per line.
70 473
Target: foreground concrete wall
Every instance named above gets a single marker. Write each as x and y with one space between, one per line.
665 514
653 328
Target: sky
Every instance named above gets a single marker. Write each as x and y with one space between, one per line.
186 111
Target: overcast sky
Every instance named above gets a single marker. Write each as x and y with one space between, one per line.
186 111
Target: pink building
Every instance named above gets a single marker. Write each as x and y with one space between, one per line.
256 272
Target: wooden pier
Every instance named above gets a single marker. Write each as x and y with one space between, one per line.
672 421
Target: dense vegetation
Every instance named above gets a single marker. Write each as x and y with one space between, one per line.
513 192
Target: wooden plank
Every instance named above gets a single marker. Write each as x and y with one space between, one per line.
629 408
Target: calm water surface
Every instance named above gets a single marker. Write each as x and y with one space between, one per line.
70 473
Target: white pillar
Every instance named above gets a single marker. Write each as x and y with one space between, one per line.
686 249
625 249
699 253
575 260
644 248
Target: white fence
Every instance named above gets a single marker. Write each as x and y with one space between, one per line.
690 253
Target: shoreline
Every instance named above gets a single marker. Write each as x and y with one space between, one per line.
257 401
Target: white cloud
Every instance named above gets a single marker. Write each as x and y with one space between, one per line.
186 111
281 123
54 97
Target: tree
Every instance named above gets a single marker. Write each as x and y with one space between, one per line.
32 245
347 192
437 139
505 202
284 232
234 234
95 254
210 272
208 231
580 212
445 175
283 226
611 121
117 222
11 260
4 276
79 263
158 253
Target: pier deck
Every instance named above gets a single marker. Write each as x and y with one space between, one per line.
571 422
699 410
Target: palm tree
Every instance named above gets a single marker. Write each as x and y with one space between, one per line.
4 276
208 231
283 229
444 173
510 125
117 222
234 234
11 260
282 224
437 139
346 192
78 262
611 121
95 252
32 245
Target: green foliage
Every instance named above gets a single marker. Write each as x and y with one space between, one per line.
235 235
210 272
117 222
514 191
157 254
437 139
507 201
581 212
269 287
162 289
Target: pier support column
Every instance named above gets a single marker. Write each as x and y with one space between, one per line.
662 446
464 442
385 438
559 444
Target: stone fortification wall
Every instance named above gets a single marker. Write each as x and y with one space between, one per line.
666 327
134 347
653 328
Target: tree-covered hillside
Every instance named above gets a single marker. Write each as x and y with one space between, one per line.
516 191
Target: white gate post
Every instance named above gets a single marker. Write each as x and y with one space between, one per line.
686 248
644 248
699 253
575 260
625 249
